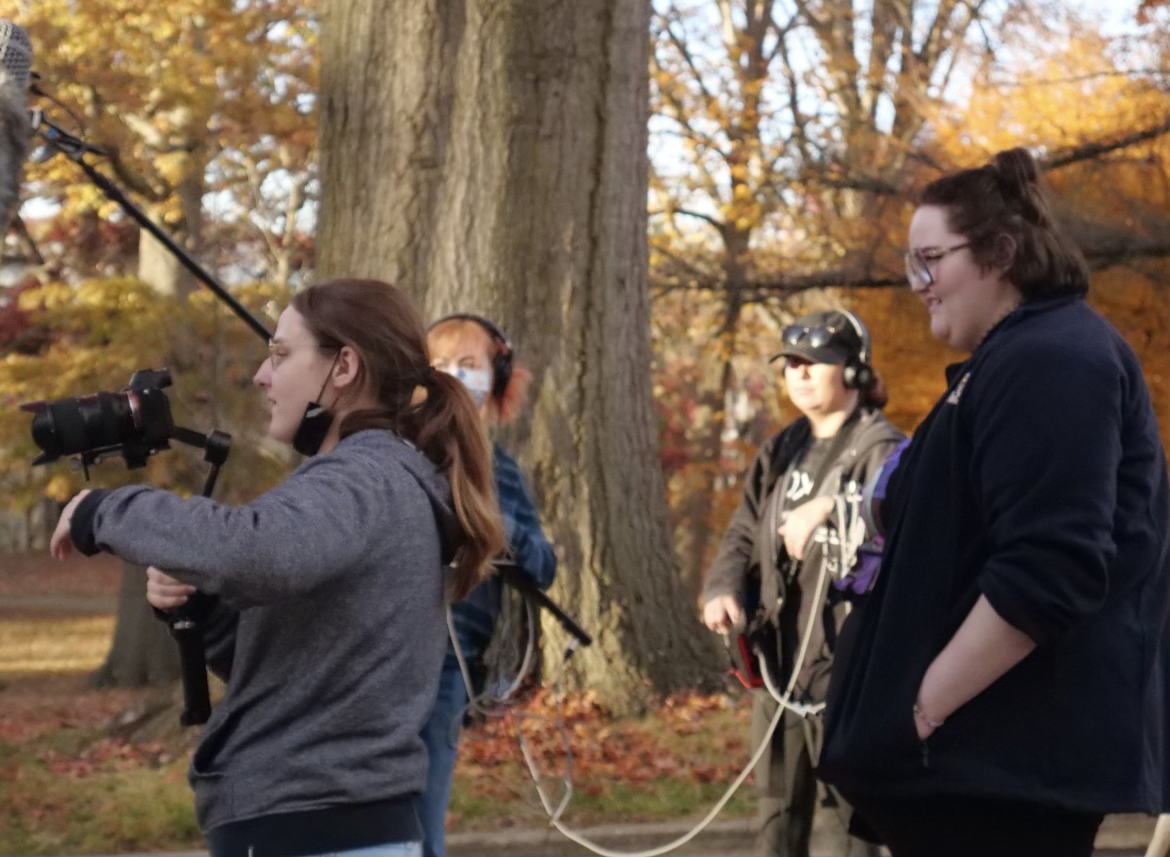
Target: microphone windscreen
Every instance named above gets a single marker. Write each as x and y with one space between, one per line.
16 53
15 132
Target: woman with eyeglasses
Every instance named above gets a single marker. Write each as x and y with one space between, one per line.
328 623
784 565
1007 683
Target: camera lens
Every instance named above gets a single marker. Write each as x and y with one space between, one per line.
72 426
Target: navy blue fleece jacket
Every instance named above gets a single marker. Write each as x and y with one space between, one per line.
1038 481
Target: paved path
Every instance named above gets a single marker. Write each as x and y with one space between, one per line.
1120 835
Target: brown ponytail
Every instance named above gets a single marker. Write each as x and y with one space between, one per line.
447 428
381 324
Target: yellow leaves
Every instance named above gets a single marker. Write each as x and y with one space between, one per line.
1057 97
60 487
104 330
174 167
171 85
122 293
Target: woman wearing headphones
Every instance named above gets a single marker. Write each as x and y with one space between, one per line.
476 352
796 533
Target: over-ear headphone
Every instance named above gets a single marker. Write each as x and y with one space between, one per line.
501 361
858 374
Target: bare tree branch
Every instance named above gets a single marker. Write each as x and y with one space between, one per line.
1099 258
1015 83
843 181
1089 151
684 52
755 290
666 212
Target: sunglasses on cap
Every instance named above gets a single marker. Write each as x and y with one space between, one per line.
817 336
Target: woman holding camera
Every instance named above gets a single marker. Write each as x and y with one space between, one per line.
796 533
331 588
1009 678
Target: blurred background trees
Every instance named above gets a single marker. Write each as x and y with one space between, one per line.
493 158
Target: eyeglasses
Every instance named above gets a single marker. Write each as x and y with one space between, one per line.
278 351
817 336
918 262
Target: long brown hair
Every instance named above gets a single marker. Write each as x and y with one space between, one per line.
379 322
1004 211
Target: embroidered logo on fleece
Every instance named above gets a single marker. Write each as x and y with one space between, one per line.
953 398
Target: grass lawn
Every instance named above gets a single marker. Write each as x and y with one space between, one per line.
66 788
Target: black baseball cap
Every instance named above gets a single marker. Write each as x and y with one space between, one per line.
825 336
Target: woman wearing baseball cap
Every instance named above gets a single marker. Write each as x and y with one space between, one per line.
795 534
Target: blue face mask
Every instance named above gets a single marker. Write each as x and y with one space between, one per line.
477 381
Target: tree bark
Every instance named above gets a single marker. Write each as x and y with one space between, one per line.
695 532
142 653
490 156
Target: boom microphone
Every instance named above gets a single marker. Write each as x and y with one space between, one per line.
15 68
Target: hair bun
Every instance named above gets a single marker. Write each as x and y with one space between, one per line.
1018 176
1017 171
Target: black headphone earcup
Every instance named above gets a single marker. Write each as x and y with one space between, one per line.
502 373
863 377
857 375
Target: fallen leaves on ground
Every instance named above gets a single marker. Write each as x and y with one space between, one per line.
35 705
576 737
108 754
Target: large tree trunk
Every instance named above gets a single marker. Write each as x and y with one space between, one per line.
142 652
491 157
695 533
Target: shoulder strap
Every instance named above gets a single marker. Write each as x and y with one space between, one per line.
841 441
791 441
796 444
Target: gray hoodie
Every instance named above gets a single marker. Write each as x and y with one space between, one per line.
333 658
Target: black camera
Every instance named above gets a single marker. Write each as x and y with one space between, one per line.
135 423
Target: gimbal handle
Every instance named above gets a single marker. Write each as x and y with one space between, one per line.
185 622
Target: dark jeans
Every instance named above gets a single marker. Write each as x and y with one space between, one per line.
975 827
441 735
787 802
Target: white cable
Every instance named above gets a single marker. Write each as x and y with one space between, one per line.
798 708
569 833
485 702
529 654
782 706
